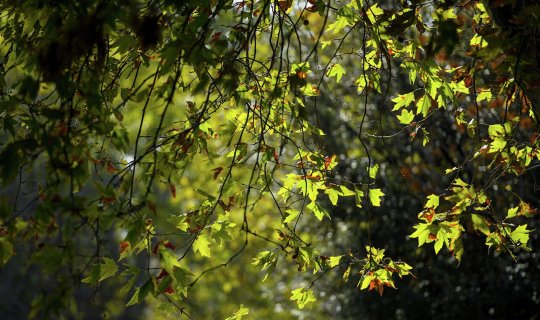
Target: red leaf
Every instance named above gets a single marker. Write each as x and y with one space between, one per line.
169 245
429 215
168 290
162 274
173 190
216 36
107 200
156 247
328 160
124 245
110 168
276 156
372 284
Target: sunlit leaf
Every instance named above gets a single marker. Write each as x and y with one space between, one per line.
375 196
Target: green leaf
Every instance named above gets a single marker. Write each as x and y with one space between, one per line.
292 215
403 100
375 197
310 90
317 210
484 95
107 269
140 293
333 195
512 212
433 201
302 297
497 145
422 232
361 83
520 235
6 251
366 280
449 14
334 261
495 130
93 276
346 192
373 12
373 171
202 245
406 116
480 223
422 105
458 249
471 128
347 273
243 311
168 261
338 25
438 244
337 71
359 197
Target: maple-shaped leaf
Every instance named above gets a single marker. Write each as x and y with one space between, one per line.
336 71
202 245
406 117
376 284
317 210
302 297
520 235
403 100
433 201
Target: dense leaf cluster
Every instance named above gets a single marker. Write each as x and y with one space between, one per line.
148 147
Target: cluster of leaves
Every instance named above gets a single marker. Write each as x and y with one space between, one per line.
110 111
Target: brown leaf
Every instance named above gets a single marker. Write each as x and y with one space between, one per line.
217 171
285 5
110 168
173 190
152 207
108 200
276 156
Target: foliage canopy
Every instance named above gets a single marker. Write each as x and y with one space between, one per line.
148 146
